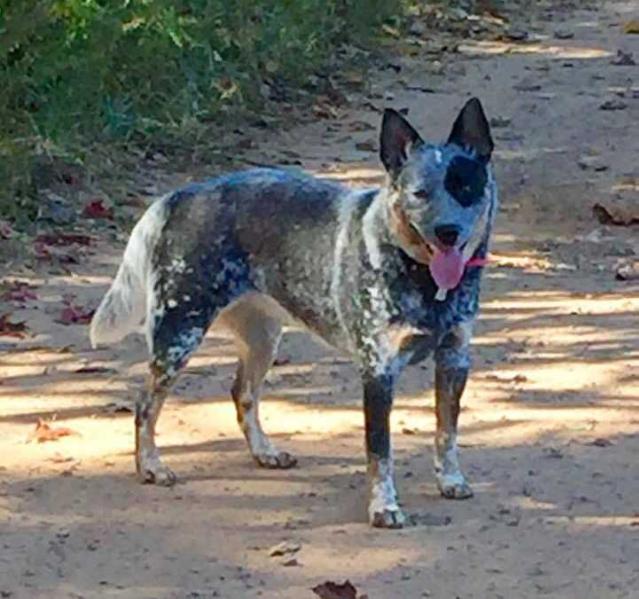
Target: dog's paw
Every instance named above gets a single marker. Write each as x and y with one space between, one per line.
153 471
454 487
280 460
387 518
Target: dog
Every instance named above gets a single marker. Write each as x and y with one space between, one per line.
388 275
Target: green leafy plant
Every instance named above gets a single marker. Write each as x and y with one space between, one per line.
73 72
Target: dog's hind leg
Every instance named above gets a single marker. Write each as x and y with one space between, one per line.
148 464
175 336
451 372
176 329
257 337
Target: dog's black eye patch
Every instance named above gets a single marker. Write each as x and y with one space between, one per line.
465 180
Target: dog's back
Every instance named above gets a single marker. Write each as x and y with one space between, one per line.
268 230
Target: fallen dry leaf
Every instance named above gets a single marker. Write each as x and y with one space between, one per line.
332 590
324 110
627 271
19 292
617 211
631 26
12 329
50 253
518 378
601 442
94 370
45 432
75 315
392 31
613 104
283 548
60 459
623 59
97 210
63 239
6 230
368 145
119 407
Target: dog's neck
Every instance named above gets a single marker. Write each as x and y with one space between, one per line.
375 226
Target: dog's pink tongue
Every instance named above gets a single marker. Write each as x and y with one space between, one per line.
447 268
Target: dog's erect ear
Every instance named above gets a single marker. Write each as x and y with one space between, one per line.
471 130
397 139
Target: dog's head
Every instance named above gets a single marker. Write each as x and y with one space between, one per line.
440 195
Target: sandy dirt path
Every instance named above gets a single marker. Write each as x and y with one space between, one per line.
550 426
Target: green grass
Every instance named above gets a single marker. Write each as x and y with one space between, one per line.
77 72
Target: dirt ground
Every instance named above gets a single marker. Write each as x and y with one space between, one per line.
549 429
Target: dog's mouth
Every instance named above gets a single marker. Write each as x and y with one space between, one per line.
447 264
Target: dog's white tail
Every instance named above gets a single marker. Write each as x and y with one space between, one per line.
123 308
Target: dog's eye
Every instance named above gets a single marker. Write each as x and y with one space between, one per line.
422 194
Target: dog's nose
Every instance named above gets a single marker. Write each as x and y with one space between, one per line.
448 234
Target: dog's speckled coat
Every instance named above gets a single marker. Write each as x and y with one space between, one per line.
256 249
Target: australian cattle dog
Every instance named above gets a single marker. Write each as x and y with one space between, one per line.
388 275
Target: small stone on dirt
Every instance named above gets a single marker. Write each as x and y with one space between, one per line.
613 104
601 442
368 145
417 29
333 590
290 563
527 86
594 163
627 271
429 520
553 453
564 34
517 35
284 548
498 122
623 59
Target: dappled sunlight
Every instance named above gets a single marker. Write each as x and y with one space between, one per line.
527 154
550 413
564 302
536 49
586 522
354 175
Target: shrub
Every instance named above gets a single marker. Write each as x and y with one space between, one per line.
76 71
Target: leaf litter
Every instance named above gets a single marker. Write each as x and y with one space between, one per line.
45 432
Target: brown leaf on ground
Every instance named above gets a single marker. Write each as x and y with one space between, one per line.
283 548
97 210
52 254
75 315
94 370
6 230
332 590
19 292
617 211
45 432
601 442
119 407
631 26
324 110
12 329
63 239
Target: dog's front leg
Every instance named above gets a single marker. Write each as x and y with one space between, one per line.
452 363
383 510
